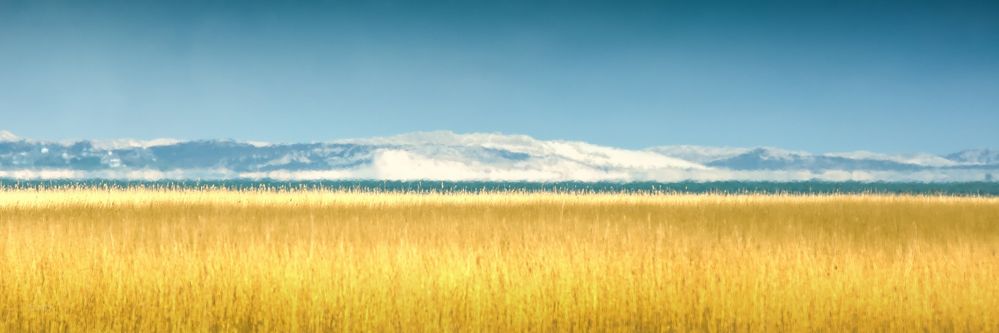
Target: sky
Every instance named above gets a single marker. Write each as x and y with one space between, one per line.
890 76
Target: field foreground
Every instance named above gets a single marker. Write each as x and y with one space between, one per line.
216 260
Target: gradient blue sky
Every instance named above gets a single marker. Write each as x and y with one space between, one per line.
901 76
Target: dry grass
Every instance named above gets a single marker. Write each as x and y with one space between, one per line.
213 260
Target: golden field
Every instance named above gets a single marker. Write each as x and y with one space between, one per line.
79 259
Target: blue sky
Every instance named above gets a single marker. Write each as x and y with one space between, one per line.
902 76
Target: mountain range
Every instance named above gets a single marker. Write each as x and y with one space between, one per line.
477 156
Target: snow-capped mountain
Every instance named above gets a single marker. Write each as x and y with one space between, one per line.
477 156
975 157
776 159
8 136
700 154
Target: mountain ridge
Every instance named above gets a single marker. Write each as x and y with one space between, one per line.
444 155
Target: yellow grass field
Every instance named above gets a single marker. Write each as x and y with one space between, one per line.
214 260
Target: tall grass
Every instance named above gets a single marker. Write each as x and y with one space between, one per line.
85 259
